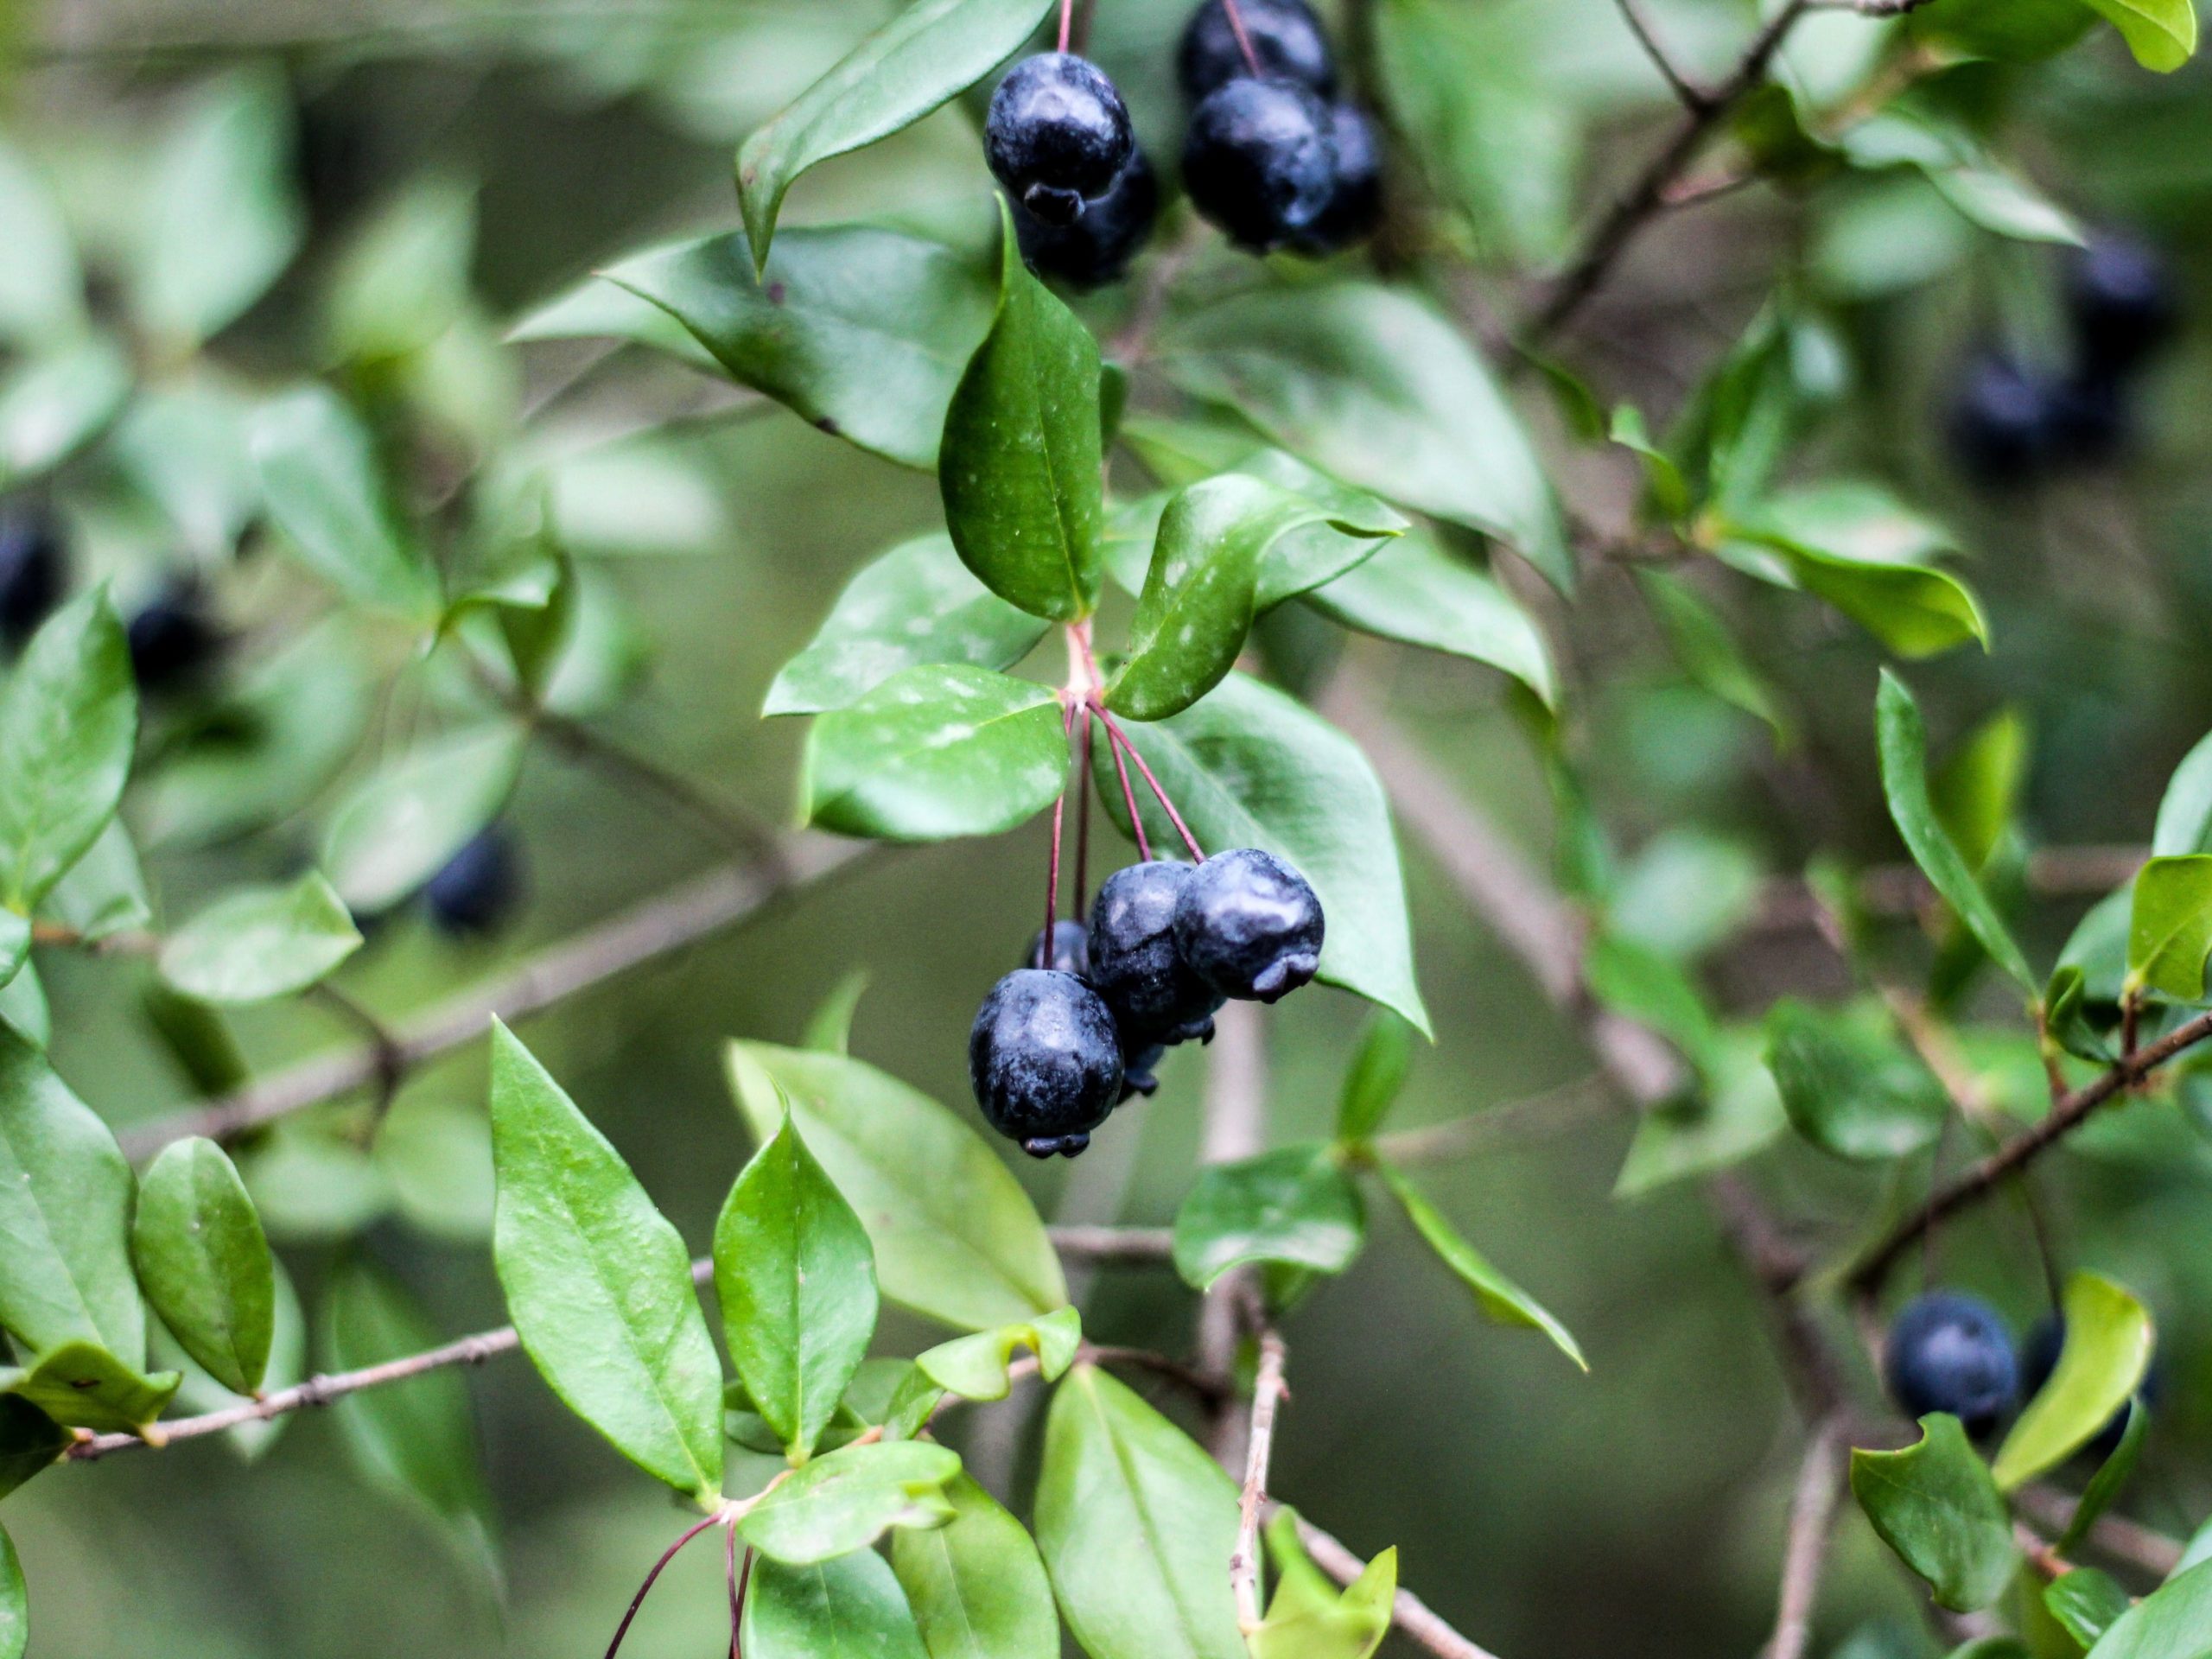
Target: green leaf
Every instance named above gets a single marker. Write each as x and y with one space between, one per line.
64 1217
1019 467
403 279
2086 1603
848 1608
915 604
1665 486
23 1006
2184 824
30 1442
1202 589
1293 1206
928 53
183 443
435 1156
1502 1301
2162 33
1738 1114
1375 1076
1371 384
41 284
1414 592
105 891
936 752
2105 1486
976 1367
1309 1618
795 1278
203 1263
2108 1342
830 1027
325 490
863 332
262 943
976 1584
1137 1524
598 1283
845 1500
15 1604
54 404
1935 1504
1709 654
1904 743
1978 791
955 1236
82 1385
2169 926
413 1440
1849 1087
401 826
1631 978
68 720
287 1368
1249 766
1857 547
2168 1623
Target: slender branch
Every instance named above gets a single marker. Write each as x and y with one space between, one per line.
1812 1523
1694 98
1136 1246
1267 1394
1235 1116
1408 1613
2121 1540
1552 1112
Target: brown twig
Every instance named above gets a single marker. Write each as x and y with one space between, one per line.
1693 97
1812 1523
1235 1118
1133 1246
2120 1539
1267 1395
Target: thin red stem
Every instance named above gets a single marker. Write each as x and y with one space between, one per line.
1082 818
737 1583
1243 41
1129 795
645 1589
1153 784
1052 872
1067 21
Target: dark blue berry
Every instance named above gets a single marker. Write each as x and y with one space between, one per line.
478 887
2039 1359
2090 421
1071 952
2121 299
1260 159
172 639
1951 1352
2001 423
1045 1060
1287 39
1097 247
1057 135
1250 925
1134 962
1355 206
30 571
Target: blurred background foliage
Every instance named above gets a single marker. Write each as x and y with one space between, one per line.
407 180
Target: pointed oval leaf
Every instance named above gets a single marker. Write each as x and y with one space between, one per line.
1375 1076
1309 1617
204 1262
1849 1087
1413 592
1294 1207
2108 1342
1502 1301
977 1367
262 943
598 1283
401 826
69 721
2170 1622
938 752
41 284
1935 1504
287 1367
2169 926
845 1500
320 478
976 1584
848 1606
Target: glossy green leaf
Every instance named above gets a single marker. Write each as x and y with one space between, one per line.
1137 1524
2184 824
598 1283
1413 592
82 1385
104 892
848 1608
2086 1603
1863 552
915 604
262 943
1293 1206
976 1367
1935 1504
1903 740
1977 792
2106 1485
1249 766
1309 1617
413 1440
68 720
929 53
30 1442
2108 1342
2169 926
976 1584
1848 1083
1018 468
861 331
1501 1300
321 478
955 1236
54 404
399 827
203 1263
936 752
1375 1076
795 1278
845 1500
2172 1622
1369 384
2162 33
15 1604
65 1216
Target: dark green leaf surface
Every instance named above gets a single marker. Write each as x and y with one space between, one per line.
203 1263
1375 1076
69 718
1935 1504
928 53
2108 1342
2173 1622
2106 1485
848 1608
1137 1524
1502 1301
916 604
1293 1206
2169 926
936 752
1018 468
845 1500
976 1367
861 331
956 1237
262 943
976 1584
1414 592
1849 1085
30 1441
2086 1602
795 1278
598 1283
83 1386
320 477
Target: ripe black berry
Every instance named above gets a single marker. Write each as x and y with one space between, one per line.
1260 159
2121 299
1134 962
2039 1359
1044 1061
30 571
1355 204
1057 135
1951 1352
478 887
172 639
1248 925
2000 425
1097 247
1286 38
1070 951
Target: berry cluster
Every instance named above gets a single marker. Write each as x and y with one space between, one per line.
1268 155
1951 1352
2015 422
1059 1044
